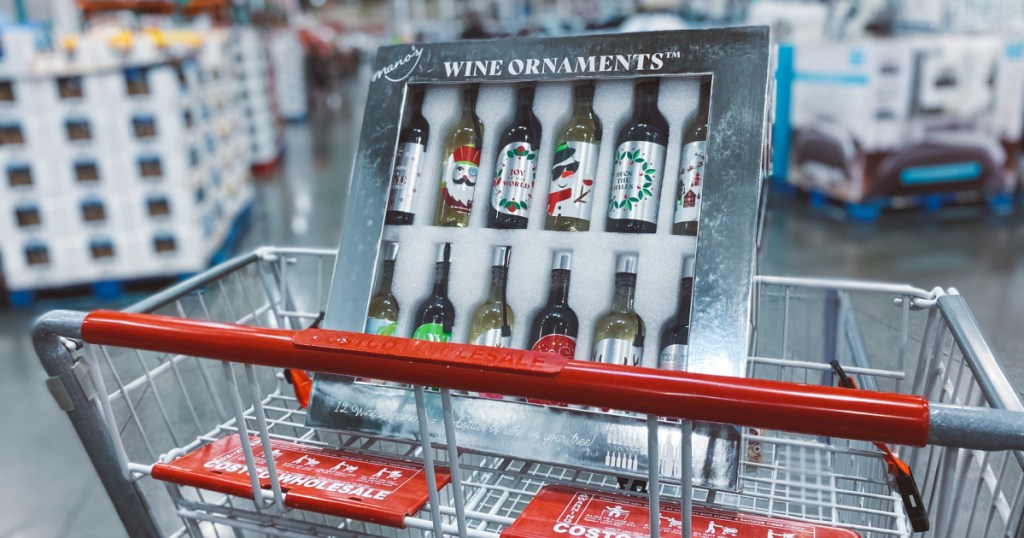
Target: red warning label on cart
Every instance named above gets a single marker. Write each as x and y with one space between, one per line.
560 511
378 490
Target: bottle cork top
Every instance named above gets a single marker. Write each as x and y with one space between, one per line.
444 252
688 264
626 263
562 260
501 256
390 251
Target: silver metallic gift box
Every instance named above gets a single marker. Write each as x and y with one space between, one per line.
736 59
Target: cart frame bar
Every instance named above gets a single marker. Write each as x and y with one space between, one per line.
57 338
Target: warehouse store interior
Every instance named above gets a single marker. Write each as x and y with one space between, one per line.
143 143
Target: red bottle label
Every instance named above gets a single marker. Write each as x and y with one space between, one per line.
558 344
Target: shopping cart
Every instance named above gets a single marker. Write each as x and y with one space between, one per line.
140 393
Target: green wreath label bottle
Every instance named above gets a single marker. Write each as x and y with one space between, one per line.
639 165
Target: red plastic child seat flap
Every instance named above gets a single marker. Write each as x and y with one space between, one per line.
563 511
372 489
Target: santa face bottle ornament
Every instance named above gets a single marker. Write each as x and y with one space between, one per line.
412 143
691 168
639 163
516 168
462 161
575 166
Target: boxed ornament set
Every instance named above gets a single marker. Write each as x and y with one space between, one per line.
595 197
539 234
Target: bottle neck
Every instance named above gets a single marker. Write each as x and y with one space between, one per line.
646 104
441 279
498 276
559 293
524 111
469 116
704 108
386 276
416 105
702 114
625 291
685 297
468 105
583 106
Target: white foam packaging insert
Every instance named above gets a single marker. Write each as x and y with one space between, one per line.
593 265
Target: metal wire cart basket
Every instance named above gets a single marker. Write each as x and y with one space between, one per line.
136 410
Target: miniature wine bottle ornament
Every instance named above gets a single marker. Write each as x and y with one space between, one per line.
435 317
461 165
675 336
412 144
556 327
516 168
493 319
574 167
691 168
382 316
639 165
619 334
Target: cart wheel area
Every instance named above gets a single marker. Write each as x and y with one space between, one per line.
138 411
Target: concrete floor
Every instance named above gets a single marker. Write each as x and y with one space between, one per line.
51 489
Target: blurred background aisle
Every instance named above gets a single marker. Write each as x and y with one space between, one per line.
141 142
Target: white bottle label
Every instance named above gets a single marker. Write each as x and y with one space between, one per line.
382 327
514 174
405 177
572 180
691 178
493 338
637 181
460 170
673 357
617 351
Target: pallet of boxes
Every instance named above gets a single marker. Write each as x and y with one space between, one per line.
123 158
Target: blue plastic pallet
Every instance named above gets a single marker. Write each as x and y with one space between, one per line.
869 211
106 290
112 290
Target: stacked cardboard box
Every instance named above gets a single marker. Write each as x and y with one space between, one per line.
919 116
264 128
288 59
118 163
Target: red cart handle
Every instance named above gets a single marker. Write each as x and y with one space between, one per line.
807 409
